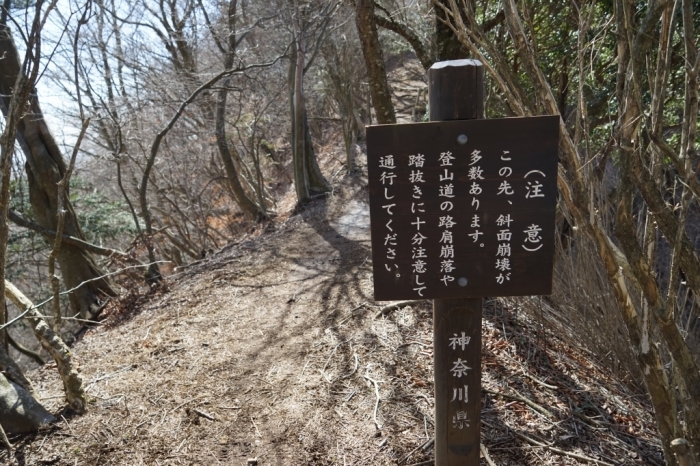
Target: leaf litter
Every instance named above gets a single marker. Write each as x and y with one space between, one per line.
273 348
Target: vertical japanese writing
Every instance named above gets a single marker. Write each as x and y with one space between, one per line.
419 256
446 194
387 164
533 240
505 189
475 174
463 209
447 250
534 187
504 235
460 394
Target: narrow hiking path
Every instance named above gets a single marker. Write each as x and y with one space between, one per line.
270 349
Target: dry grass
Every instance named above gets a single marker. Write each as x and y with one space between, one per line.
583 309
270 348
265 348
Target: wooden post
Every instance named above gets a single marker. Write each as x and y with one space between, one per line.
684 454
456 92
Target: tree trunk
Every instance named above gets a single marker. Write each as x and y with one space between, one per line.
45 168
19 411
576 196
376 71
299 139
249 208
317 183
448 46
54 345
308 178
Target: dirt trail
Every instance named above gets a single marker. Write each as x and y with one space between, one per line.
270 349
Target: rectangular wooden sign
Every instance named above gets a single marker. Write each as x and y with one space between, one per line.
463 208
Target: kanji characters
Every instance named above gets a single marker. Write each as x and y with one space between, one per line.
460 368
534 189
416 176
503 249
447 222
459 420
505 188
475 157
416 160
446 159
461 394
460 341
475 173
532 235
447 191
387 162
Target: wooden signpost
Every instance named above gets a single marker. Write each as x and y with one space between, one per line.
461 208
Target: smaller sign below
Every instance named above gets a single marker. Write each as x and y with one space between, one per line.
463 208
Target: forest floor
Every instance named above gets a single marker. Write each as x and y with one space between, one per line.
272 348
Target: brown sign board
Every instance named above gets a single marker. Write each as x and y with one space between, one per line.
463 208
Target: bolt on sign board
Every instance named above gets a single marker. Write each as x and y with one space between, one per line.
463 208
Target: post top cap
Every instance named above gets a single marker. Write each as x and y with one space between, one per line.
456 63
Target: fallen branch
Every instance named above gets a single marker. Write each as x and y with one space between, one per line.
179 406
33 307
74 319
203 414
110 375
357 364
423 446
351 314
530 376
72 381
590 420
24 350
5 441
521 398
536 380
393 307
485 452
19 219
558 450
376 405
256 427
424 463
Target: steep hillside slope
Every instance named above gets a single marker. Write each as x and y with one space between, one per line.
272 349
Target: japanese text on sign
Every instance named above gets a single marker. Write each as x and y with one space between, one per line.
460 220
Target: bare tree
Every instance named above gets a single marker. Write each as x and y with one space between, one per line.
45 167
344 80
372 52
20 410
228 152
612 220
309 29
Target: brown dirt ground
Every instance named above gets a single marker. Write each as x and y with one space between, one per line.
262 351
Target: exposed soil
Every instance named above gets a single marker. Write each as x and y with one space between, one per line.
265 350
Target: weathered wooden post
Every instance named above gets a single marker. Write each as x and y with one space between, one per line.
456 92
461 207
684 454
